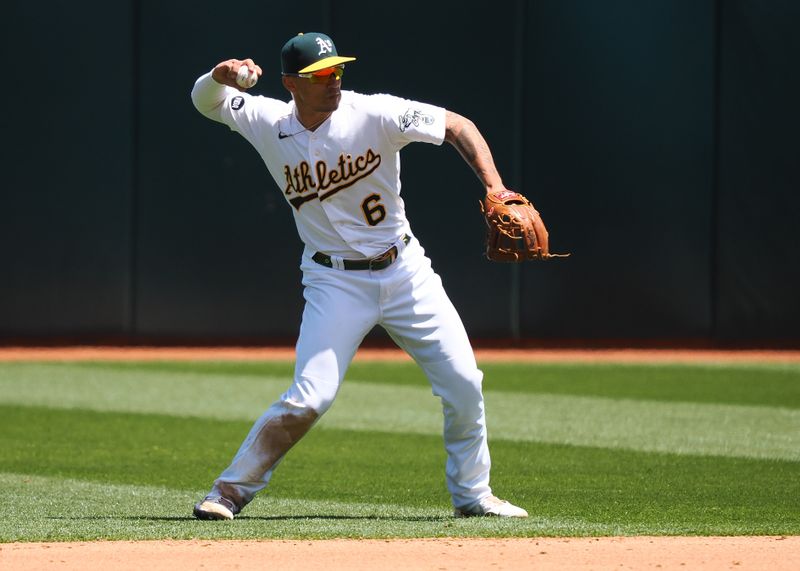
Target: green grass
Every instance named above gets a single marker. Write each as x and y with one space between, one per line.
122 450
727 383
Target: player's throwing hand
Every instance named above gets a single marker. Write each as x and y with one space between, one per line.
227 73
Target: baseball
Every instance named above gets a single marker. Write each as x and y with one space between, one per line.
246 79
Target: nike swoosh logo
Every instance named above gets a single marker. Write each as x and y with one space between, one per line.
282 135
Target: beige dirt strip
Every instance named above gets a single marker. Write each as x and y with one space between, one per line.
376 354
662 553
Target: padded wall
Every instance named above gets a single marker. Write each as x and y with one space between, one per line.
656 138
218 253
68 139
619 159
758 261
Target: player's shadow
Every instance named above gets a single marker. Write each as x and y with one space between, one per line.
259 518
344 518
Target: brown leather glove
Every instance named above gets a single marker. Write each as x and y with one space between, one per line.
516 231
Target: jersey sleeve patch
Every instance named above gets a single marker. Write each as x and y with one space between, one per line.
414 117
237 103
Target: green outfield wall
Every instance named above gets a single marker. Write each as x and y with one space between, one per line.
657 138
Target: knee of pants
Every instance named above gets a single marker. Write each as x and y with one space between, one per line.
307 392
459 386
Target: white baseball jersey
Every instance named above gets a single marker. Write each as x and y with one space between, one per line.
342 181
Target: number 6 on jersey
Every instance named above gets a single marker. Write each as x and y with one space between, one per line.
374 211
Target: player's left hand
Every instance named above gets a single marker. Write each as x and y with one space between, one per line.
515 229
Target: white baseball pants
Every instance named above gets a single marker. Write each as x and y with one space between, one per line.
407 299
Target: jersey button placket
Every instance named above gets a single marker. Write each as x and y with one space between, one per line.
314 149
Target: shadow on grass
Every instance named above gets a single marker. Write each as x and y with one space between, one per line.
256 518
345 518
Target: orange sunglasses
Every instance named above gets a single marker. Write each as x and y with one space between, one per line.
321 76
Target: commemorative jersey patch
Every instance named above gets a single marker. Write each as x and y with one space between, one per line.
237 102
414 117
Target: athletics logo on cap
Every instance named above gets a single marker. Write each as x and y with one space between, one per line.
325 46
307 53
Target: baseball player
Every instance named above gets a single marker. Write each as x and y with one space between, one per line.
335 156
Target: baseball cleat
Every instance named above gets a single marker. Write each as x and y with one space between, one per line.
215 508
491 506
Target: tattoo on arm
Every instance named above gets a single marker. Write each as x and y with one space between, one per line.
470 144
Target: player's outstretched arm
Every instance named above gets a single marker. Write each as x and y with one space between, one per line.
468 141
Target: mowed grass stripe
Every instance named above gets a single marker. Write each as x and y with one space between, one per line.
178 394
188 453
768 384
568 489
653 426
75 510
66 509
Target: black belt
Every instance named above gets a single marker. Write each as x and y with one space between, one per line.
377 263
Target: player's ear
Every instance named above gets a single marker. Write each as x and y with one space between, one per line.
289 83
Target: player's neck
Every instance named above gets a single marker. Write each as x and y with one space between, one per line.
311 119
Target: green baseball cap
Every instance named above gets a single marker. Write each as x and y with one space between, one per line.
310 52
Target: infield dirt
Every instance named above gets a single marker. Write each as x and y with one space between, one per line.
663 553
367 354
